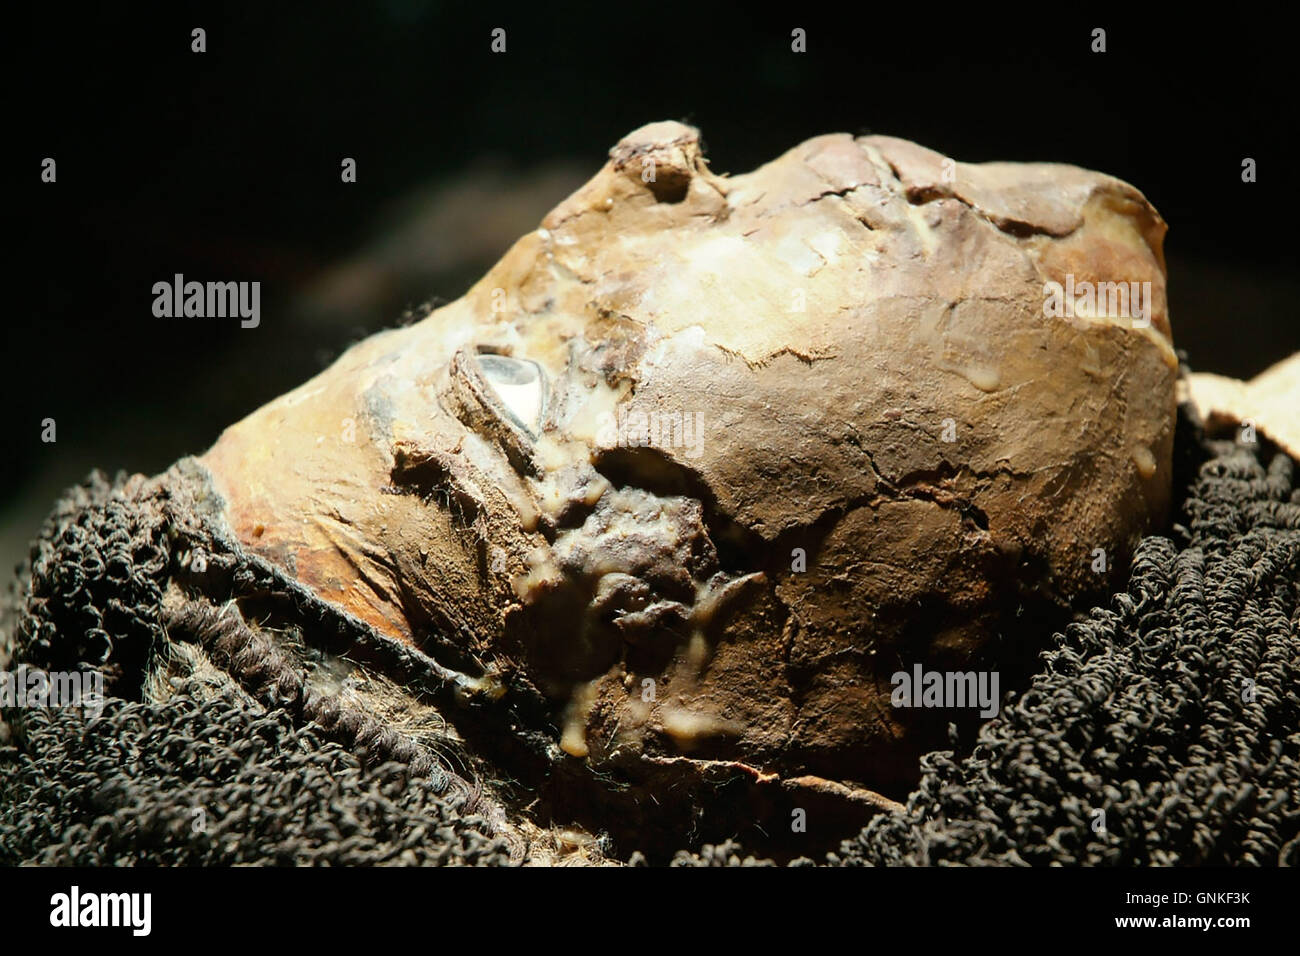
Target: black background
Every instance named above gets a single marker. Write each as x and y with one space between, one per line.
921 909
225 165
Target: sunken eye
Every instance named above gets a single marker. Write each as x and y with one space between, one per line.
520 386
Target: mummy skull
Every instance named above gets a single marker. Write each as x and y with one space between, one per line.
705 460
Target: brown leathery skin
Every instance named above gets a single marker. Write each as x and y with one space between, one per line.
826 321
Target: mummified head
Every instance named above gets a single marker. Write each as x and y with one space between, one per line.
706 460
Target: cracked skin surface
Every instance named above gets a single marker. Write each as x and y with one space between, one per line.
832 317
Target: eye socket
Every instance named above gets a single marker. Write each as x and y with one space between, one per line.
520 385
